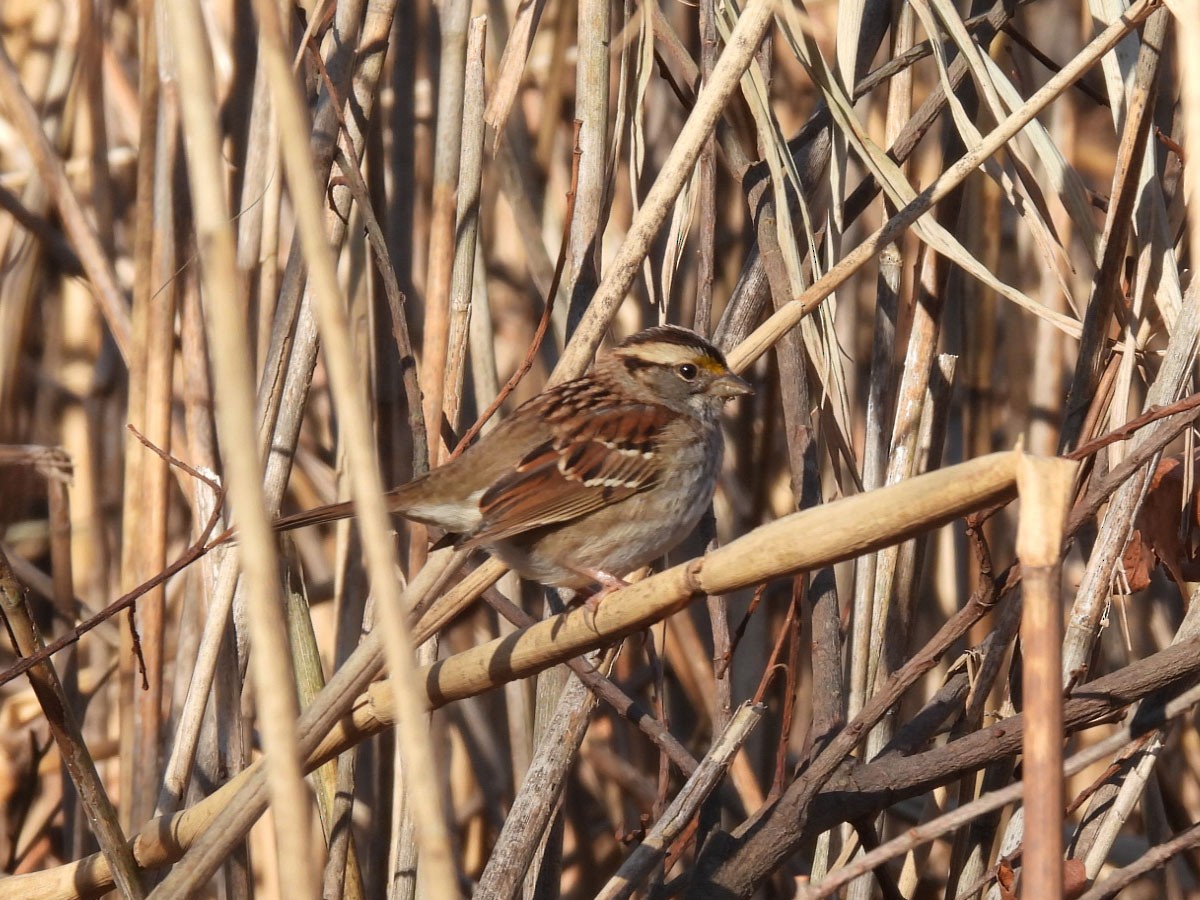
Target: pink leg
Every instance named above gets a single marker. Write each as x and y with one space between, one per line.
608 583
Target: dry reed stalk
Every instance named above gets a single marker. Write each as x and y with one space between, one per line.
1117 228
675 171
894 513
520 850
150 479
685 804
79 229
466 236
1045 489
452 19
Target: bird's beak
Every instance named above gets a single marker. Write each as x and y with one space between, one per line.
728 386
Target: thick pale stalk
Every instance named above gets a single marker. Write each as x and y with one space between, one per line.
1046 486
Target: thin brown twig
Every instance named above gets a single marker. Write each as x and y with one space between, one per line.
740 631
789 637
1130 428
136 641
178 463
196 551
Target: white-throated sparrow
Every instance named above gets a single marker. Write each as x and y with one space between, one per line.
590 479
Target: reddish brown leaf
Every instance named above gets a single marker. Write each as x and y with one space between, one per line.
1006 878
1158 536
1075 880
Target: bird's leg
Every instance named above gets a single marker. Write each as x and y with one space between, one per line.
608 583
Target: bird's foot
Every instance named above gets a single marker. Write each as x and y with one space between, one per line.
608 584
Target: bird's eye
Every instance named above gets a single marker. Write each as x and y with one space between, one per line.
687 371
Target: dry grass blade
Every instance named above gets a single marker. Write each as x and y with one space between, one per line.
512 65
888 174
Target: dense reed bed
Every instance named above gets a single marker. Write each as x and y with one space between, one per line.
937 639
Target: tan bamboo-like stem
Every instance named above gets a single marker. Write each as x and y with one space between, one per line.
787 545
592 82
136 512
364 468
470 174
939 733
284 387
149 541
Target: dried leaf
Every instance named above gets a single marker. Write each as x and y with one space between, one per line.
1075 879
1160 535
1006 880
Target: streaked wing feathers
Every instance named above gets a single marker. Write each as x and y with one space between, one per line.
608 455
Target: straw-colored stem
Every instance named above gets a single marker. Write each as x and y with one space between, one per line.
1118 225
592 82
148 535
513 857
685 805
363 464
1045 487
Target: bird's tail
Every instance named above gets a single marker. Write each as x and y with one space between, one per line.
331 512
322 514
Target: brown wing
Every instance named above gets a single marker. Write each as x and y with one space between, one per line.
610 455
